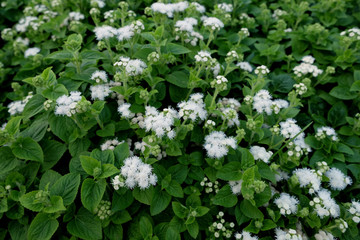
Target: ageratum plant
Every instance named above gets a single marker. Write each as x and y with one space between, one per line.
180 120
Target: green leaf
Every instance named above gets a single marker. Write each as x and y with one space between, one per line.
230 172
121 152
180 210
7 160
107 131
121 202
247 159
26 148
144 196
178 78
60 55
34 106
355 87
48 179
66 187
104 157
108 170
193 229
146 228
53 151
225 197
92 192
250 210
266 172
342 92
90 164
28 201
175 189
337 114
56 205
12 126
85 225
268 224
37 129
55 91
177 49
201 211
42 227
114 231
91 54
159 202
64 128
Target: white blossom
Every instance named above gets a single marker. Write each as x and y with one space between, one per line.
287 204
193 109
217 144
338 180
160 123
245 66
323 235
105 32
66 105
124 110
260 153
18 106
308 178
212 22
31 52
99 76
307 67
236 186
290 234
100 91
110 144
324 205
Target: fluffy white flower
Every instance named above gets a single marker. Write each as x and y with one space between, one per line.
352 33
262 102
124 110
217 144
308 59
245 66
125 33
100 92
355 211
160 123
290 129
135 67
260 153
193 109
137 173
66 105
200 8
213 23
105 32
307 67
170 8
338 180
287 204
245 236
24 23
261 70
322 132
110 144
236 186
290 234
99 76
226 7
308 178
18 106
322 235
324 205
31 52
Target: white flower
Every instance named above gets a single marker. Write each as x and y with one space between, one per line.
217 144
135 67
245 66
66 105
308 178
308 59
322 235
186 25
352 33
338 180
31 52
245 236
290 129
200 8
110 144
355 211
18 106
170 8
213 23
307 67
124 110
99 76
125 33
287 204
236 186
324 205
290 234
262 102
260 153
100 92
160 123
105 32
136 173
225 7
261 70
100 3
24 23
193 109
322 132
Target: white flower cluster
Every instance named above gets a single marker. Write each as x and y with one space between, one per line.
245 66
342 225
124 110
169 8
300 88
160 123
99 3
104 32
217 144
22 41
322 132
352 32
281 175
289 129
200 8
290 234
324 205
229 108
260 153
204 57
322 235
123 33
110 144
66 105
245 33
210 186
278 13
99 76
244 235
154 150
24 23
185 28
287 204
31 52
221 228
136 173
194 108
220 82
133 67
236 186
355 211
262 103
226 7
261 70
338 180
76 16
100 91
309 179
307 67
18 106
212 22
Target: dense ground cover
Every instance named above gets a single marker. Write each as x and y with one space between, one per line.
183 120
